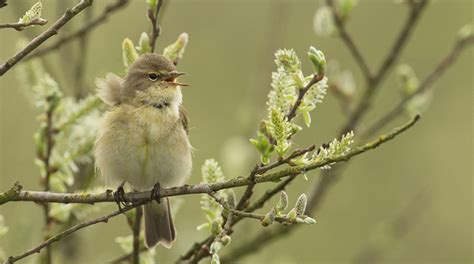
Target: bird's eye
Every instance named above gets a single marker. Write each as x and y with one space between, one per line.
153 76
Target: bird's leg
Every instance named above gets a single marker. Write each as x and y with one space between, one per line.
119 196
156 193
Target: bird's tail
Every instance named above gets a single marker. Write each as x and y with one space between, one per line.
159 226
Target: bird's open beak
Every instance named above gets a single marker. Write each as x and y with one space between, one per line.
170 78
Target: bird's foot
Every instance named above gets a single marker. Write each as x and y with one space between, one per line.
156 193
119 196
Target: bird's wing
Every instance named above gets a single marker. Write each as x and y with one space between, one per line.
183 117
109 89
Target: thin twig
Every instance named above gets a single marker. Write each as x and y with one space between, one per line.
427 84
81 60
86 28
53 30
346 37
316 78
46 159
243 214
297 153
58 237
155 27
249 190
19 26
136 236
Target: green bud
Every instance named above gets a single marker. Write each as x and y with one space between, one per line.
226 240
201 226
345 7
129 54
323 22
307 118
298 78
465 32
216 228
309 221
215 247
152 4
144 44
175 51
269 218
263 146
33 13
318 60
292 215
409 81
283 202
215 259
300 205
299 220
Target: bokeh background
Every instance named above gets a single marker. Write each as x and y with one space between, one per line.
229 60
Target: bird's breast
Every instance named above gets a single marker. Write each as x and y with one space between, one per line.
144 147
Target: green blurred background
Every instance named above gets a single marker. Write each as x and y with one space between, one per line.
229 60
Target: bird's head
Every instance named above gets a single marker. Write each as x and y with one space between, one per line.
152 79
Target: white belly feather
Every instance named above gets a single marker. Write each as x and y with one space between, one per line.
133 149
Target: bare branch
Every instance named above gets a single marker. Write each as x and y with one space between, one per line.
155 27
111 8
58 237
427 84
19 26
346 37
53 30
364 103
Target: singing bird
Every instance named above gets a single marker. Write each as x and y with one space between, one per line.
143 138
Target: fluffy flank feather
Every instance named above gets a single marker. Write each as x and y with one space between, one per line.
109 89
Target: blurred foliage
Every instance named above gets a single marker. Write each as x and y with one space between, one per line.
221 62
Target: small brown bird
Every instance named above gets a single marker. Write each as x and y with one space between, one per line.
143 138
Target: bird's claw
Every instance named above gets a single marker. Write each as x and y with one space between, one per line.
156 193
119 196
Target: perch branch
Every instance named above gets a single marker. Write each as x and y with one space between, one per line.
53 30
82 31
16 194
19 26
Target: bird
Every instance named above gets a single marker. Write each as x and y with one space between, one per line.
143 137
